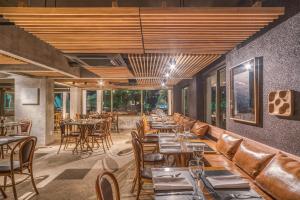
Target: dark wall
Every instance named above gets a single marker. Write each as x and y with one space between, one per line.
280 51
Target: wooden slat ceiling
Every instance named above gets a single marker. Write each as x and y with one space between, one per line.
52 74
82 30
209 30
202 30
111 72
156 65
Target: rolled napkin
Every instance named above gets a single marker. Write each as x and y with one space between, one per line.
228 182
171 183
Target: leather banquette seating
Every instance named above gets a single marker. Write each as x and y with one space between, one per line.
274 174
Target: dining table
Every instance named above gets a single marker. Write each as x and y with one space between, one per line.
85 128
181 146
6 140
9 125
203 187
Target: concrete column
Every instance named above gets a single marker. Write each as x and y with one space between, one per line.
170 102
75 101
84 102
64 109
42 113
99 100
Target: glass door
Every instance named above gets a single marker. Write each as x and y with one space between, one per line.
216 98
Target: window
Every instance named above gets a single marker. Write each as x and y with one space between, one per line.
106 107
58 102
127 101
153 99
185 101
9 103
91 101
216 98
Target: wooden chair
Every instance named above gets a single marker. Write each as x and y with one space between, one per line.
100 134
115 121
109 119
149 138
25 127
151 158
25 153
141 173
67 136
107 187
147 127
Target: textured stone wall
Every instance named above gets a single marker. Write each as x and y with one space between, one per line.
280 51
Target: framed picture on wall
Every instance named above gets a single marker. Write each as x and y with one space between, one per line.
244 92
30 96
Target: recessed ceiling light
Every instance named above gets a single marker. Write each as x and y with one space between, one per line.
101 82
167 75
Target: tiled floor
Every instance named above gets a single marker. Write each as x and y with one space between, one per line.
67 176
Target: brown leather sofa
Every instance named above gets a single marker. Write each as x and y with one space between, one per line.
272 173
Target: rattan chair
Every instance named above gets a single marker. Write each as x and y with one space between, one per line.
149 138
109 119
107 187
25 153
67 136
141 173
100 134
115 121
25 127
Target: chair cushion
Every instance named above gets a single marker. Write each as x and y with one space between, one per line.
5 166
153 157
151 131
146 173
199 128
228 145
281 178
181 118
252 159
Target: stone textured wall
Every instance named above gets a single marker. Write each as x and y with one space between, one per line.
280 51
42 115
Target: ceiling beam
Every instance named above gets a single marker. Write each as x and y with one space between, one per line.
19 44
22 68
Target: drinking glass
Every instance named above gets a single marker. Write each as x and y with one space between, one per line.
198 152
196 169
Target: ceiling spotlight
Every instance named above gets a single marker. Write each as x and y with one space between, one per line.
163 84
167 75
172 64
101 82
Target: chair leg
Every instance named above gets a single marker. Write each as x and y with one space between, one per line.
3 193
32 180
61 142
5 181
103 145
139 182
14 185
133 184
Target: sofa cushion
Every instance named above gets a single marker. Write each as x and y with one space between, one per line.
251 159
176 117
281 178
199 128
228 145
188 122
181 119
